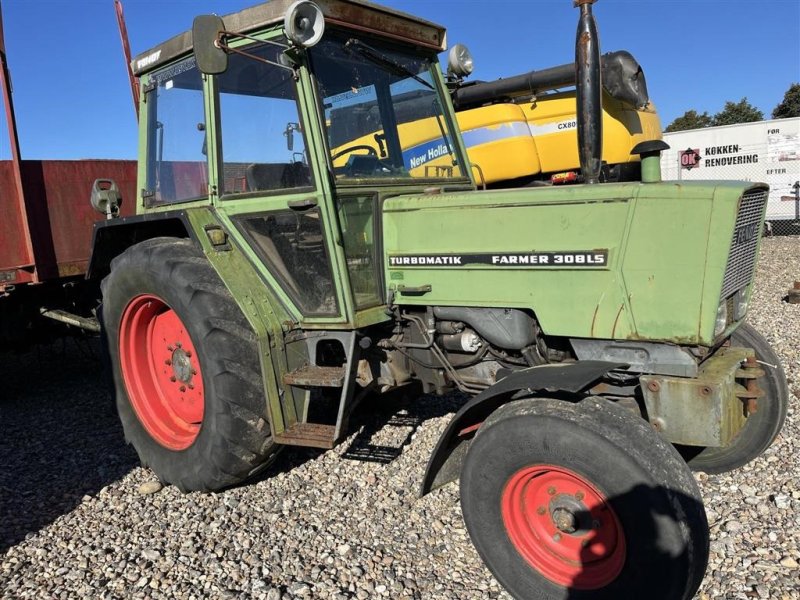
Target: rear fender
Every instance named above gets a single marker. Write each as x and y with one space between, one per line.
444 465
111 238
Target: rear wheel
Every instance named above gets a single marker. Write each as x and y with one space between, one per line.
762 426
186 368
582 501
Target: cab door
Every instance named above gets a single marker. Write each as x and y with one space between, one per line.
269 188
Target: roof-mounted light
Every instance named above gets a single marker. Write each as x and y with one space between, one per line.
459 61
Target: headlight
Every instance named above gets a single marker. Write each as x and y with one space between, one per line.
722 318
740 304
459 61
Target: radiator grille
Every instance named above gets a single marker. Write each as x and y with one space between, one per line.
742 256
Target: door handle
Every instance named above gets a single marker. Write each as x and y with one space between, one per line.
414 290
304 204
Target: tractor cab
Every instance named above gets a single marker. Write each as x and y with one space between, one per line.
294 133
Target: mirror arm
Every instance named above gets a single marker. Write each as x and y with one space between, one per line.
222 43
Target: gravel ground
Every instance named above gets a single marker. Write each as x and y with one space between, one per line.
347 523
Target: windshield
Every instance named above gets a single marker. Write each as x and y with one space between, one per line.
383 113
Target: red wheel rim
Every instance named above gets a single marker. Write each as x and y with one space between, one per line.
161 372
563 527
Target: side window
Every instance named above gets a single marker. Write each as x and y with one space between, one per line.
263 143
176 150
292 246
357 219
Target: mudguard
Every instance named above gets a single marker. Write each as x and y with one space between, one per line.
111 238
445 462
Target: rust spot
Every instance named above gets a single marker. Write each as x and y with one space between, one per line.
616 320
594 318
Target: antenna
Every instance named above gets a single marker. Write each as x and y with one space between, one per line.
126 50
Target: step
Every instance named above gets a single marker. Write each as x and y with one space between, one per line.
313 376
308 434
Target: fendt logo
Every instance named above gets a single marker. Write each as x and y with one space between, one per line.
744 234
148 60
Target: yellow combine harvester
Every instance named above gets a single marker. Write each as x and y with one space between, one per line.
519 130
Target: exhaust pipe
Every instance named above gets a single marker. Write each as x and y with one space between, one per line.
588 97
622 76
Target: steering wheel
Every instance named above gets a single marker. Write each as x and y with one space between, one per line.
369 149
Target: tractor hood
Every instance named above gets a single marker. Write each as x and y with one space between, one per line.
614 261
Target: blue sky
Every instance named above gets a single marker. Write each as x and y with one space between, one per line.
72 97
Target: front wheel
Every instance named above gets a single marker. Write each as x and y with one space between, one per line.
185 366
582 501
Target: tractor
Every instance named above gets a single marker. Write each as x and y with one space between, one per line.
281 268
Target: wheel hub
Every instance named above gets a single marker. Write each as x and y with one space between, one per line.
161 372
182 365
563 527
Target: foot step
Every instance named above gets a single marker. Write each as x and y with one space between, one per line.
308 434
313 376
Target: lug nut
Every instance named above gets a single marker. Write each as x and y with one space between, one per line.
173 378
579 495
551 490
168 362
557 537
183 388
541 510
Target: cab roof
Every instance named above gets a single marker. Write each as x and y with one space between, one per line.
355 14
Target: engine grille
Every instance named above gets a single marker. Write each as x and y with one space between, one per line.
742 256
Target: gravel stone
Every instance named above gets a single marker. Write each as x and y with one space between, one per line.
150 487
78 521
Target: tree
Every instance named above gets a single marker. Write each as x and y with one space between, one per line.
690 120
790 105
738 112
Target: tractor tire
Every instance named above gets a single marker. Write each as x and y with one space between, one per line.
763 426
186 368
582 501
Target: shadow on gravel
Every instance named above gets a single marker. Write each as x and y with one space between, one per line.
405 409
60 438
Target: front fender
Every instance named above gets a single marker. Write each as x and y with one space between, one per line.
445 462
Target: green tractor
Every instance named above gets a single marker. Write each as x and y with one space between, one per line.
279 271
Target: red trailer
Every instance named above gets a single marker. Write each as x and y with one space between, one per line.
46 229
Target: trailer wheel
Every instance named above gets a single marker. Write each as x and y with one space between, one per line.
582 501
185 366
763 426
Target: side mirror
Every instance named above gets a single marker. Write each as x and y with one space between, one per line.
106 198
211 59
289 133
